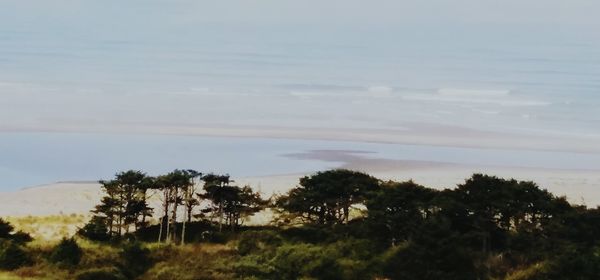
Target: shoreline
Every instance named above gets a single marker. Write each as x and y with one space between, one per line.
49 199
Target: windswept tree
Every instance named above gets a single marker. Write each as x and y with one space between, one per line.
327 197
241 203
125 203
134 186
397 210
189 199
493 207
177 188
229 204
216 190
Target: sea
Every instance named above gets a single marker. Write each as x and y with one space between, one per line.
157 63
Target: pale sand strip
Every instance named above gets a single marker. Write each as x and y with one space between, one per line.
580 186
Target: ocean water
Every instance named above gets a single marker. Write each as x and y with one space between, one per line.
91 65
160 63
29 159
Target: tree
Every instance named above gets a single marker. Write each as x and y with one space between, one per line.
241 203
230 204
495 206
437 252
95 229
327 197
189 201
397 210
125 202
133 187
216 190
177 187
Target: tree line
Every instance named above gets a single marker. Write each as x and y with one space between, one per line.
344 224
125 207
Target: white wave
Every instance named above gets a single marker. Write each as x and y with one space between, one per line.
472 92
493 101
470 96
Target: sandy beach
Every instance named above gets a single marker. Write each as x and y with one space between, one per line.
579 186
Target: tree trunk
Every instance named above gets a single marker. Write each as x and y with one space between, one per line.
189 206
174 217
165 215
220 216
145 206
161 228
110 227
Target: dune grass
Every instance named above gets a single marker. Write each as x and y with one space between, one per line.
50 228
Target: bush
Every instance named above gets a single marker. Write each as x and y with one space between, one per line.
13 256
67 253
135 260
95 230
100 274
304 260
253 241
309 234
21 237
6 230
569 265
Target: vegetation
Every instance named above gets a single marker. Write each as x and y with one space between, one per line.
336 224
67 253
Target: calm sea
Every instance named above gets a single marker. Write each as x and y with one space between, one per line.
28 159
97 64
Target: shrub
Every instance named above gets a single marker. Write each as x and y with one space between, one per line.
95 230
21 237
304 260
135 260
573 264
67 253
6 230
13 256
100 274
253 241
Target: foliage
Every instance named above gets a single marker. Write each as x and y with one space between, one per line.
191 262
341 225
397 210
67 253
13 256
252 241
326 197
125 202
229 204
135 260
436 253
100 273
95 230
7 233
